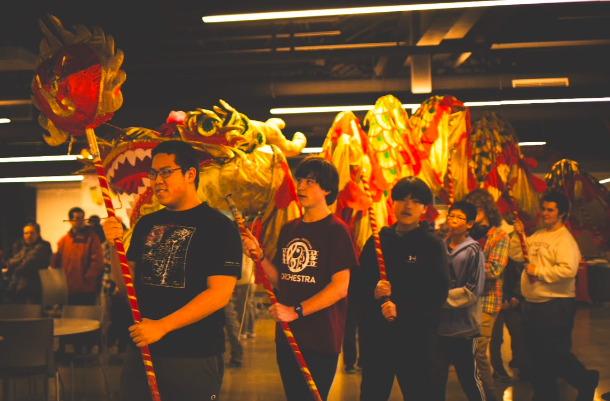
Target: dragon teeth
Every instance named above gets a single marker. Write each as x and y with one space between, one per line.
131 157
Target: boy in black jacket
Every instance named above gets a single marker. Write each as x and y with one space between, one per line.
397 334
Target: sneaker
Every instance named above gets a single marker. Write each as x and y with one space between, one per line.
586 392
234 364
251 335
350 370
501 377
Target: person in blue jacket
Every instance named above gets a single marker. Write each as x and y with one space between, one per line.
460 318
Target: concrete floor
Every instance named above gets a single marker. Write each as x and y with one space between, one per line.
258 379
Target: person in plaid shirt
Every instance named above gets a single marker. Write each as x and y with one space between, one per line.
494 242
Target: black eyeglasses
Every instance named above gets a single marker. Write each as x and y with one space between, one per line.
152 174
454 216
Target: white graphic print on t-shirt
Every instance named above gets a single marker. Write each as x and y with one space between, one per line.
164 255
298 255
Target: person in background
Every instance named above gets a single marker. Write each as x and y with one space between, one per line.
311 272
244 300
510 314
548 285
486 231
460 319
80 254
232 331
94 223
400 315
30 254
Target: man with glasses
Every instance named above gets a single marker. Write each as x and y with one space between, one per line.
185 261
80 254
460 319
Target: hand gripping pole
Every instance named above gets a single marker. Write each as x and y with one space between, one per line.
291 340
131 293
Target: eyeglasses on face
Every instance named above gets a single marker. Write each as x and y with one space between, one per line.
456 216
164 173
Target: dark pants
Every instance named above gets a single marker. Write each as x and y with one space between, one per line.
458 352
322 367
407 359
82 299
547 331
178 379
232 331
120 320
512 319
350 340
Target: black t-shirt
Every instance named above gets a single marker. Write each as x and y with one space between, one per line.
175 253
308 254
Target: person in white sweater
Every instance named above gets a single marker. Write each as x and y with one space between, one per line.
548 285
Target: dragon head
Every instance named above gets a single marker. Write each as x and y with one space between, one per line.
77 81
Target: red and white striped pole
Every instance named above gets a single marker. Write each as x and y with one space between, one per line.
131 292
375 229
287 332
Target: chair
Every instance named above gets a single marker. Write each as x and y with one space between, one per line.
54 290
26 350
89 340
20 311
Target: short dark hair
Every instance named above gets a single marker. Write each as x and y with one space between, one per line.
33 224
413 186
562 202
482 199
323 171
467 208
75 210
185 156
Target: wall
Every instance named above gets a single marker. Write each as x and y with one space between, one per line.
17 205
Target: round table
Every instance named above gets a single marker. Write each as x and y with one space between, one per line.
68 326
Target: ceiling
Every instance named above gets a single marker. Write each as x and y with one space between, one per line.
174 61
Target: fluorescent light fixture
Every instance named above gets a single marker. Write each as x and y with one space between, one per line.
312 150
537 101
5 120
60 158
55 178
414 107
376 9
330 109
604 181
322 109
532 143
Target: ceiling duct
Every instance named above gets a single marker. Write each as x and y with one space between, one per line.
16 58
16 110
540 82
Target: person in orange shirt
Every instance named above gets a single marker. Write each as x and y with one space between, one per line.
80 254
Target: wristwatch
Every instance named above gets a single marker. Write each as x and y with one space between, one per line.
299 310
